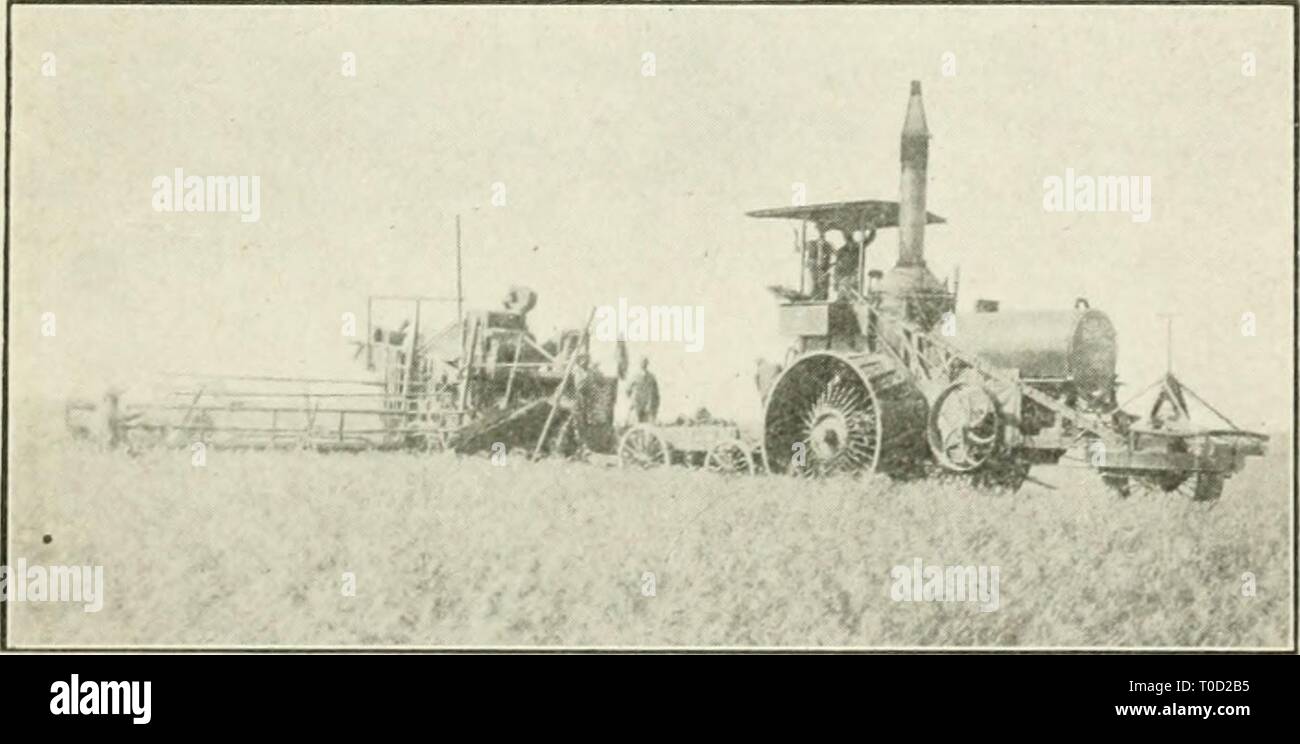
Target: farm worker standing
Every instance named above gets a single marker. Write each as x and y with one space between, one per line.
643 395
819 267
583 374
846 268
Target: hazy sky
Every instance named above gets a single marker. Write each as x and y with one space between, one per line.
620 184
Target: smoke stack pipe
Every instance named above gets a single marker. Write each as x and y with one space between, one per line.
914 152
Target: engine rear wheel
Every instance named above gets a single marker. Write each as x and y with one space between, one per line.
829 413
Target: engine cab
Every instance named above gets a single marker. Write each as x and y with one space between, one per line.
832 306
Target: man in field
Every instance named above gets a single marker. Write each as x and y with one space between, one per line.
848 264
643 395
818 262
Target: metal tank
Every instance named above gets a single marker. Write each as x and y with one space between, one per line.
1076 348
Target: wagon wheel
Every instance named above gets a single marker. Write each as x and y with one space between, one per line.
1202 486
643 447
1128 482
730 456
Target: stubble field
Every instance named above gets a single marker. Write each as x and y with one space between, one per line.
260 548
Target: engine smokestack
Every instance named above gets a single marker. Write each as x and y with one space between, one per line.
914 151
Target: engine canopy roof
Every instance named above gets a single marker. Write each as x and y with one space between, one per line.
845 216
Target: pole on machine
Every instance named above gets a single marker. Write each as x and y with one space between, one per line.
1169 341
460 291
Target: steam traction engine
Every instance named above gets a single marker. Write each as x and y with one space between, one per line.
885 376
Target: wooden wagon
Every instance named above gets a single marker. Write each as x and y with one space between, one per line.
716 447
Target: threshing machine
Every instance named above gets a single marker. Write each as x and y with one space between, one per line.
481 383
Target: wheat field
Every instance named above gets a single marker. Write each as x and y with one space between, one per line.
299 549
